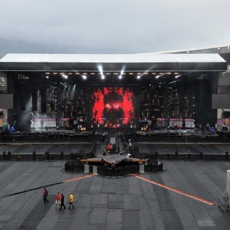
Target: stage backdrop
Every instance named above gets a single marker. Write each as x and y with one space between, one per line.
112 107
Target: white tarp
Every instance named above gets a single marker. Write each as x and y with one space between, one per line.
112 58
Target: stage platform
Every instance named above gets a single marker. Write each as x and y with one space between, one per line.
113 158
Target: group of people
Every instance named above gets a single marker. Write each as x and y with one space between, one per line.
112 147
6 157
59 200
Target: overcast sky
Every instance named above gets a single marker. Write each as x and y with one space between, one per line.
112 26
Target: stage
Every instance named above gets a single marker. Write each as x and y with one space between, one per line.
111 159
70 135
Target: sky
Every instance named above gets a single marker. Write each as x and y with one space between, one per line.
112 26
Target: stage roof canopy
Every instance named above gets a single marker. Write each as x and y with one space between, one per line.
149 62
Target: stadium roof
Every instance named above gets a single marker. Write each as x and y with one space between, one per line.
223 51
113 62
214 49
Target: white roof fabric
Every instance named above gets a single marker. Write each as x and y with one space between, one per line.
113 62
111 58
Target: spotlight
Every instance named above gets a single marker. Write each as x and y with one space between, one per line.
122 72
157 76
84 77
177 76
138 76
100 68
65 76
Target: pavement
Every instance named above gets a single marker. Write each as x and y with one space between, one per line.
183 196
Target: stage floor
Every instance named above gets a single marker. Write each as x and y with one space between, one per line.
125 203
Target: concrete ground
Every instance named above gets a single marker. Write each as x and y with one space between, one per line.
161 202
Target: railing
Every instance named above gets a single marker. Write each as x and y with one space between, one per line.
37 157
186 157
150 157
45 137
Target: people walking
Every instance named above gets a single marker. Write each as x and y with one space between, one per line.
45 194
58 200
71 200
62 202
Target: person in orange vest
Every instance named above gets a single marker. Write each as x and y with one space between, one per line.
71 200
58 200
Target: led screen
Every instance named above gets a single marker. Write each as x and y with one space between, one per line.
112 107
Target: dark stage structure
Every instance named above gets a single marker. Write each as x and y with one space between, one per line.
114 100
103 92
